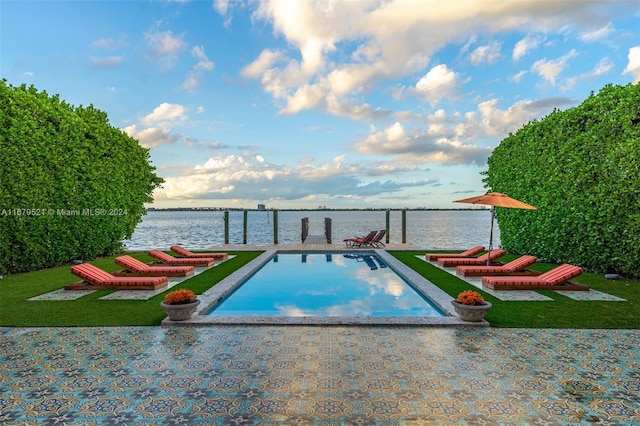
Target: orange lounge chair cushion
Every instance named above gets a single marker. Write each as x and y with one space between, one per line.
134 265
95 275
482 260
553 277
177 261
186 253
468 253
513 266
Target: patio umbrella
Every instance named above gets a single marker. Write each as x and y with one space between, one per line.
496 199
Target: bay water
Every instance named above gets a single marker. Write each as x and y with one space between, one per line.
202 229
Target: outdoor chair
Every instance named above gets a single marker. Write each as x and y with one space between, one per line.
181 261
555 279
135 268
481 260
96 279
186 253
377 240
359 241
469 253
515 267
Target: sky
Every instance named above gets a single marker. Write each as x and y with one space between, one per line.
302 104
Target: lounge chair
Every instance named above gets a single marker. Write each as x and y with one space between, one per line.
96 278
358 241
555 279
481 260
135 268
469 253
515 267
377 240
186 253
181 261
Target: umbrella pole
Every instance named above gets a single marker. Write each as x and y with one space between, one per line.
493 210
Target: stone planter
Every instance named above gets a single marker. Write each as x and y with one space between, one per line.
180 312
472 313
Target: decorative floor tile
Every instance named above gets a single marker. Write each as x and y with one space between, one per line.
62 294
317 375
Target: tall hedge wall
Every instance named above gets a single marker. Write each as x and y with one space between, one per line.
581 168
71 185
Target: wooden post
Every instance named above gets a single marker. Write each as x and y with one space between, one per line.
388 230
404 226
226 227
327 229
275 227
244 228
305 228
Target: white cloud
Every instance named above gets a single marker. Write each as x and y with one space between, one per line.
106 62
236 177
602 67
165 112
524 46
438 83
486 54
263 62
551 69
196 74
633 67
164 48
151 137
343 48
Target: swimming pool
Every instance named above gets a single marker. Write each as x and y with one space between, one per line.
325 285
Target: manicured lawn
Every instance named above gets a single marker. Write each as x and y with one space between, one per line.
16 310
563 312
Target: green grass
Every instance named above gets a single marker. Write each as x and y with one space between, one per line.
16 310
562 312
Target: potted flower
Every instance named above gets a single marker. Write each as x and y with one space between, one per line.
471 306
180 304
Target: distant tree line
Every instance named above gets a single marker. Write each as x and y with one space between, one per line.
581 169
71 185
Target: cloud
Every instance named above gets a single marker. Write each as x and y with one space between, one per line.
486 54
237 177
419 146
197 72
438 83
633 67
106 63
341 49
601 68
551 69
524 46
164 48
151 137
165 112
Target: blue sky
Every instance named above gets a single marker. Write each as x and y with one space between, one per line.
300 104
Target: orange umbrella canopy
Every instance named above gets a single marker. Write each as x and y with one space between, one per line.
498 200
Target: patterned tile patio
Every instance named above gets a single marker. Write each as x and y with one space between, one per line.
318 375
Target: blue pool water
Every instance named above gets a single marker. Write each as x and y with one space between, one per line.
325 285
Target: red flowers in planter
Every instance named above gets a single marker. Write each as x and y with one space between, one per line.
469 297
178 297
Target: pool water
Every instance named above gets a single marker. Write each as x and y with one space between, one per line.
325 285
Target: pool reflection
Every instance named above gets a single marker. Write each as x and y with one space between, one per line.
325 285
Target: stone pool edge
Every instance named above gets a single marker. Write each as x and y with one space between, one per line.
212 296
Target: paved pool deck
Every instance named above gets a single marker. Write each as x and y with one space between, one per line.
313 374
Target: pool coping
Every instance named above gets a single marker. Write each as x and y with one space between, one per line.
216 293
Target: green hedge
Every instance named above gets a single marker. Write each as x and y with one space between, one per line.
581 168
71 185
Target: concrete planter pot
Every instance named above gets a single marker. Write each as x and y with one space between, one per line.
472 313
181 311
